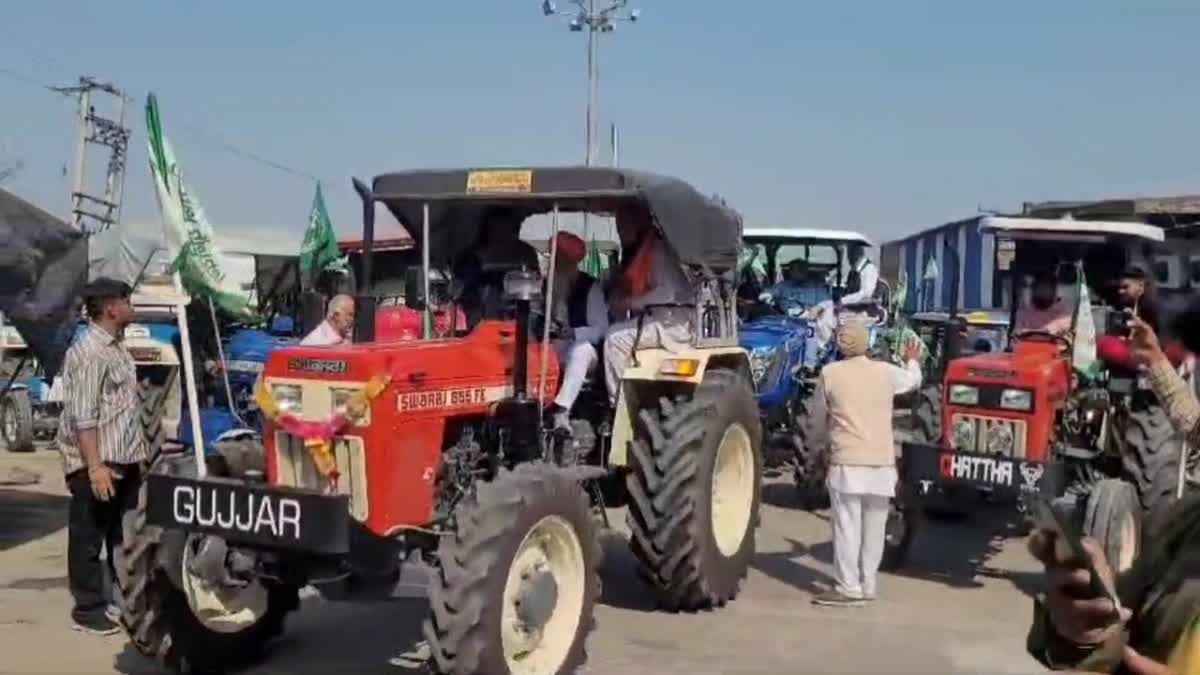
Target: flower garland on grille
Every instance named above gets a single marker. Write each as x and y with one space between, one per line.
318 436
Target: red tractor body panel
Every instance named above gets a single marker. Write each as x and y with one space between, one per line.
433 382
1037 367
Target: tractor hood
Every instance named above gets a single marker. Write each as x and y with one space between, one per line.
1029 364
770 332
448 376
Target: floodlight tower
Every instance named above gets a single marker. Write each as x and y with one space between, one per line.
585 15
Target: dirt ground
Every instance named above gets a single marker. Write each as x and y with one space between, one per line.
962 607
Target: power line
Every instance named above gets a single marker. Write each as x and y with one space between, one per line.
194 130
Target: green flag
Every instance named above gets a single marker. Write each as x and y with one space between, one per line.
186 230
319 253
593 262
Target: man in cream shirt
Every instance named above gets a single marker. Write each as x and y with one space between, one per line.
855 394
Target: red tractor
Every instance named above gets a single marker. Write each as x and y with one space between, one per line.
413 467
1031 420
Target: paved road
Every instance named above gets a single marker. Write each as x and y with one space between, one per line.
963 608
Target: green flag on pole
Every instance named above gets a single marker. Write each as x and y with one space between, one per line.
319 252
186 230
593 262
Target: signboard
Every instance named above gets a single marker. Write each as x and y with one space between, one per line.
514 182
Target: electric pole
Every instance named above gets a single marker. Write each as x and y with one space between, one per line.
95 210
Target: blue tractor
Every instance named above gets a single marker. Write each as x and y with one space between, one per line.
787 277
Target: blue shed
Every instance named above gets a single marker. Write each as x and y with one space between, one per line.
941 260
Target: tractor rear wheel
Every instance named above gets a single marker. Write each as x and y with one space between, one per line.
519 579
16 420
1113 518
177 619
1150 454
695 488
927 415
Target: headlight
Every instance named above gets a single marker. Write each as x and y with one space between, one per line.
288 397
1000 439
963 434
964 394
341 400
1016 399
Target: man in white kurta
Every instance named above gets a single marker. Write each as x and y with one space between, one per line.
856 394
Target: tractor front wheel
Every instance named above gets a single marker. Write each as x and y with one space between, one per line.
1112 517
16 420
518 579
695 489
176 618
903 524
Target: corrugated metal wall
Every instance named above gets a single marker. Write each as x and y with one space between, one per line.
962 257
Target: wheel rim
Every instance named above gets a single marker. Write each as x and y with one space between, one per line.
732 489
1127 536
221 609
543 598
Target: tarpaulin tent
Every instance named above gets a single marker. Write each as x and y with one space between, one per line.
43 267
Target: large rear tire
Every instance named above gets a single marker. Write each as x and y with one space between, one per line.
519 579
159 598
695 488
1150 455
16 420
927 415
1113 518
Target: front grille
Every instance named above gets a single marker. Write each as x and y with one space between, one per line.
988 435
297 469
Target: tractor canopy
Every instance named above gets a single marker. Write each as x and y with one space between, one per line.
702 230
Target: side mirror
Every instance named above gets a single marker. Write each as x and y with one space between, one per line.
414 288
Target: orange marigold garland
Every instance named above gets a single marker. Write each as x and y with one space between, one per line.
317 436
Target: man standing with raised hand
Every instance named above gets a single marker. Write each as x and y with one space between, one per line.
857 396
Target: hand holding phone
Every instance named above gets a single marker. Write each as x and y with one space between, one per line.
1081 595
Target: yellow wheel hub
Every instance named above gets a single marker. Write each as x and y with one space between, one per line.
218 608
732 489
543 598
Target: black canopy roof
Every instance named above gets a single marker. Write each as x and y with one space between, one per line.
701 230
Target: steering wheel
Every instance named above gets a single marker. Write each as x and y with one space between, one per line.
1046 336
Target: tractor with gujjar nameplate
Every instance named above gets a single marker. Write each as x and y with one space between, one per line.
1045 417
399 468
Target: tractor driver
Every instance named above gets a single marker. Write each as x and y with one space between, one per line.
581 309
650 274
498 250
1046 312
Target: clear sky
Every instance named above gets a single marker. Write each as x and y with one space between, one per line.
884 116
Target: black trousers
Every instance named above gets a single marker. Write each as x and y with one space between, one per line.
91 525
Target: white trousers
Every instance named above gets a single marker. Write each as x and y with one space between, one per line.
580 357
859 532
667 329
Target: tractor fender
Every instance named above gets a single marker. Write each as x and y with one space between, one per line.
643 383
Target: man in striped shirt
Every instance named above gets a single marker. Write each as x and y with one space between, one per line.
103 447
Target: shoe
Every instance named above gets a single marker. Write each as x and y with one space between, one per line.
838 599
414 659
95 625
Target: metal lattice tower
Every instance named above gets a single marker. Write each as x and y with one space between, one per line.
97 210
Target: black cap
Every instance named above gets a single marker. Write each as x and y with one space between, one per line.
1134 271
106 288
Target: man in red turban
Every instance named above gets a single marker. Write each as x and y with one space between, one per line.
581 312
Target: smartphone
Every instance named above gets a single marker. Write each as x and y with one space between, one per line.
1048 518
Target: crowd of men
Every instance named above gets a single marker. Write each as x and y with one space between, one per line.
103 450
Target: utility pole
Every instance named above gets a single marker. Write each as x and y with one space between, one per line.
96 210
